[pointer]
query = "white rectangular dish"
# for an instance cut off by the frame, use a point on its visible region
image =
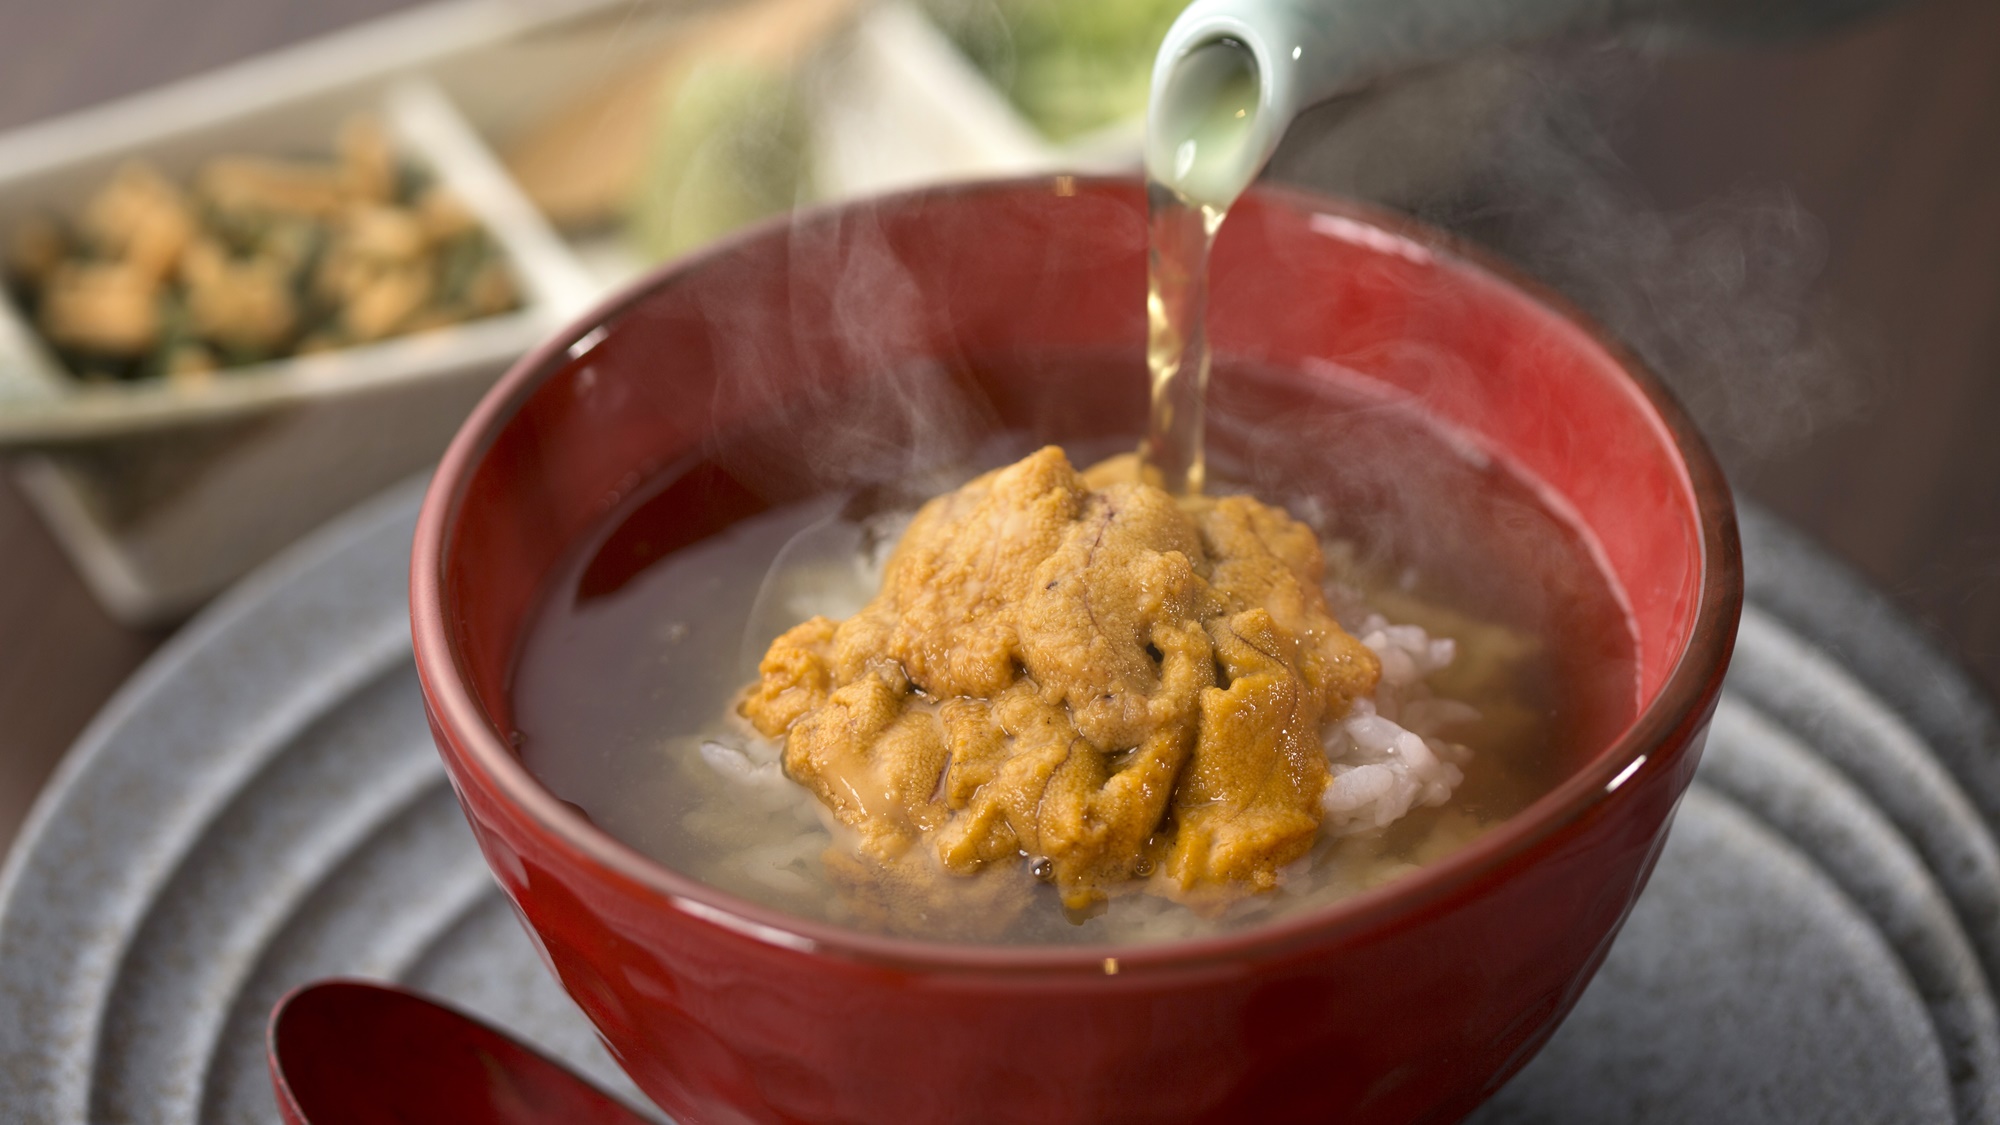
(162, 494)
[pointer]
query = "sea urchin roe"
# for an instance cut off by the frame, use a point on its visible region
(1085, 672)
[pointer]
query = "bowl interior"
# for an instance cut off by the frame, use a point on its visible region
(848, 347)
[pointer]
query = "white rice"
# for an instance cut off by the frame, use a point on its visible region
(1385, 755)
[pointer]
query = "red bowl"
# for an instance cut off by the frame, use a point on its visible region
(1411, 1002)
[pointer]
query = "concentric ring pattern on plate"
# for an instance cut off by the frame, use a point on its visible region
(261, 806)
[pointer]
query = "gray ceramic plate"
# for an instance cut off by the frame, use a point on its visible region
(261, 806)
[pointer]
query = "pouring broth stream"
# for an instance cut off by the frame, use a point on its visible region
(1203, 143)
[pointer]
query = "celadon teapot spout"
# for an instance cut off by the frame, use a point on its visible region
(1232, 74)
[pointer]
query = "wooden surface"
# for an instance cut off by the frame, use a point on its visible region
(1889, 135)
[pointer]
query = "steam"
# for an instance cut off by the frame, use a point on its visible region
(1516, 152)
(1511, 150)
(843, 365)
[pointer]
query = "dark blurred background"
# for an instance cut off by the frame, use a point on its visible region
(1871, 156)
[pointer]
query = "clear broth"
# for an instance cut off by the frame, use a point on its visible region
(653, 624)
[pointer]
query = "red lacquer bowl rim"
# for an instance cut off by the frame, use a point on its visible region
(1668, 723)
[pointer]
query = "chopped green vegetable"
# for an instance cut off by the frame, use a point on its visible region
(731, 150)
(1070, 66)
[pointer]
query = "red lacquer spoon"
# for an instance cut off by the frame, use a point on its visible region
(347, 1052)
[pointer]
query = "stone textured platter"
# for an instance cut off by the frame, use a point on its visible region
(261, 806)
